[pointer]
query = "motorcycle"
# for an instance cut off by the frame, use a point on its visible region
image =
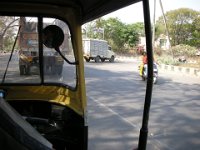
(144, 72)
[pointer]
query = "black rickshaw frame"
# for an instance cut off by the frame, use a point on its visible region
(149, 87)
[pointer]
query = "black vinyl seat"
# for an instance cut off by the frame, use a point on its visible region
(18, 134)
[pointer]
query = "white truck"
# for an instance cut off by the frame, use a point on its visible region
(97, 50)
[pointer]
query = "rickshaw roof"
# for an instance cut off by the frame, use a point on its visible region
(90, 9)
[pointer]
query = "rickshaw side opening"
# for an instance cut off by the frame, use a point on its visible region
(58, 106)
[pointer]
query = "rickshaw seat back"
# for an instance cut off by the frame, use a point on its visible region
(16, 133)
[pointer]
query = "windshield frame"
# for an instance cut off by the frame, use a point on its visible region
(40, 50)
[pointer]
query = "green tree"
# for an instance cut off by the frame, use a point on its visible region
(7, 32)
(123, 36)
(120, 36)
(139, 28)
(131, 35)
(94, 29)
(180, 24)
(88, 30)
(114, 33)
(195, 38)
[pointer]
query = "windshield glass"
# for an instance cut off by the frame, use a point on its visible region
(20, 54)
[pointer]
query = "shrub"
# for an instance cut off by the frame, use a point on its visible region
(158, 51)
(168, 60)
(184, 50)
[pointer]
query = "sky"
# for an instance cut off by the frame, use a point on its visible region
(134, 13)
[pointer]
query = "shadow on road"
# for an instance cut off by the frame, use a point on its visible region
(115, 108)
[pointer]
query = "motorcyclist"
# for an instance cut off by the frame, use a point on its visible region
(144, 61)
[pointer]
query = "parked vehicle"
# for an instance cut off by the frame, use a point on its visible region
(97, 50)
(45, 112)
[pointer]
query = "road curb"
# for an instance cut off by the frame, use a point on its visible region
(178, 69)
(171, 68)
(125, 58)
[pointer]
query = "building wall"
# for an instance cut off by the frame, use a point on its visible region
(161, 42)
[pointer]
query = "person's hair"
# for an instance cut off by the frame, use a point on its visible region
(144, 53)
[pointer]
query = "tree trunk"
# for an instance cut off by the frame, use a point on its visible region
(1, 43)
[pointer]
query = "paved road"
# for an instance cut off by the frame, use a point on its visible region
(115, 102)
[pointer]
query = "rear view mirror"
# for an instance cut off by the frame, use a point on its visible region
(53, 36)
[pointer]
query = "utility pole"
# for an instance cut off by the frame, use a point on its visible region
(166, 27)
(154, 21)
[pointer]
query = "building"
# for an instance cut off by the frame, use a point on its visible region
(162, 42)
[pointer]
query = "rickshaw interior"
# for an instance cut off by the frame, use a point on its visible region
(42, 76)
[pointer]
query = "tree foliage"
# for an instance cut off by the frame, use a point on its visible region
(181, 25)
(120, 36)
(184, 50)
(114, 30)
(7, 32)
(195, 40)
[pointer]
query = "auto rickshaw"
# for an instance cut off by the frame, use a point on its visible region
(43, 103)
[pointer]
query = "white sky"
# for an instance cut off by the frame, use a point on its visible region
(134, 13)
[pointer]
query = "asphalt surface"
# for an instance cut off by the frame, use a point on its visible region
(116, 96)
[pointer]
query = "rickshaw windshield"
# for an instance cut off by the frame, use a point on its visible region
(21, 57)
